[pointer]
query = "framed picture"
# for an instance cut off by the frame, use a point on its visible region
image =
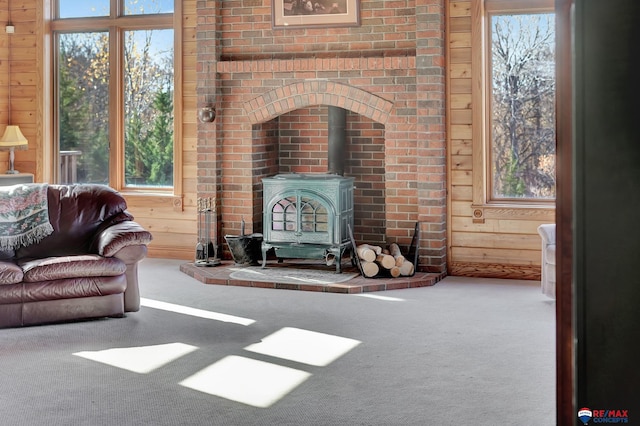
(315, 13)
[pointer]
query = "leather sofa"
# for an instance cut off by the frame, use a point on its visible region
(547, 232)
(87, 267)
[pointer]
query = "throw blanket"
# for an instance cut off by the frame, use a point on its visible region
(24, 215)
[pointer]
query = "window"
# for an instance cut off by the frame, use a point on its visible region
(516, 148)
(114, 92)
(522, 130)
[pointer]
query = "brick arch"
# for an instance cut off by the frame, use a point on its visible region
(317, 92)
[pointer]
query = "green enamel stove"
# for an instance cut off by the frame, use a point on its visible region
(307, 216)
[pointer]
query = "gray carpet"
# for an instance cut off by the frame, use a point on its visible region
(463, 352)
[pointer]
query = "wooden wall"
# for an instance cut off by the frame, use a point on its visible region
(19, 80)
(489, 241)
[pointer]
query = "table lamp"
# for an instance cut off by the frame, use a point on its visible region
(11, 140)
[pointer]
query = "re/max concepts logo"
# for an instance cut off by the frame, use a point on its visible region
(603, 416)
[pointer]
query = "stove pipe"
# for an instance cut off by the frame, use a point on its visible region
(337, 139)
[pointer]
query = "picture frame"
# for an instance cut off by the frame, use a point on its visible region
(315, 13)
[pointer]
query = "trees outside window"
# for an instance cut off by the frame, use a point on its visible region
(148, 107)
(115, 92)
(521, 130)
(83, 105)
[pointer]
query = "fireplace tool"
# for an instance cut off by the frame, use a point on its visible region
(207, 246)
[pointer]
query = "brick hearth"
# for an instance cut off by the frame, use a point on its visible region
(220, 275)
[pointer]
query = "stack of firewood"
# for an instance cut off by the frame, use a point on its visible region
(376, 261)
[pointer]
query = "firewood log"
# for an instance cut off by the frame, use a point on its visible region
(370, 269)
(386, 261)
(376, 249)
(366, 253)
(406, 268)
(394, 250)
(394, 272)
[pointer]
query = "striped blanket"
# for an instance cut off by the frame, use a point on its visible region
(24, 215)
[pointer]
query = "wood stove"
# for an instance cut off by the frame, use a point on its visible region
(307, 216)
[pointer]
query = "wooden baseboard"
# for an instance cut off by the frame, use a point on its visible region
(489, 270)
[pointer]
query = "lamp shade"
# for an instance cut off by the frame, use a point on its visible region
(13, 138)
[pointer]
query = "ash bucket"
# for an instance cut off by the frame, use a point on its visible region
(245, 249)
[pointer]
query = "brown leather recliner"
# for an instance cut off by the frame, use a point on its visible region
(86, 268)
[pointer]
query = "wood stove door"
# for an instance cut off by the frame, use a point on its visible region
(300, 217)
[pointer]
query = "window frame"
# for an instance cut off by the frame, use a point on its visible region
(483, 206)
(116, 24)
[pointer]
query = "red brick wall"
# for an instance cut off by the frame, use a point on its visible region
(303, 147)
(246, 30)
(272, 88)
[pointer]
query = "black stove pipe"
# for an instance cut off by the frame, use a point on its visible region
(337, 140)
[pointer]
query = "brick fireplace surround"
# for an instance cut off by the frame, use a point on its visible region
(272, 88)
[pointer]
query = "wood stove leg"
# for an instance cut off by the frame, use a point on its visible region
(264, 249)
(337, 253)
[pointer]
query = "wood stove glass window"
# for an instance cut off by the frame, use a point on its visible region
(284, 215)
(313, 215)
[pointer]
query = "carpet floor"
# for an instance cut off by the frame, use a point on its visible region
(461, 352)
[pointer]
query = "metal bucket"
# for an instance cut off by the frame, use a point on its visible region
(245, 249)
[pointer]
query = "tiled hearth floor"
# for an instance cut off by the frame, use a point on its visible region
(220, 275)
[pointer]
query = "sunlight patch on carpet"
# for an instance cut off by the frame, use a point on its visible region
(200, 313)
(290, 275)
(140, 359)
(248, 381)
(377, 297)
(308, 347)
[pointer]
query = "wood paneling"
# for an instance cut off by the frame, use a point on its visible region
(519, 242)
(493, 226)
(495, 256)
(460, 192)
(461, 147)
(460, 101)
(505, 243)
(494, 270)
(19, 92)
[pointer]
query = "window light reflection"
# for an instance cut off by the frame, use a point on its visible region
(140, 359)
(308, 347)
(186, 310)
(248, 381)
